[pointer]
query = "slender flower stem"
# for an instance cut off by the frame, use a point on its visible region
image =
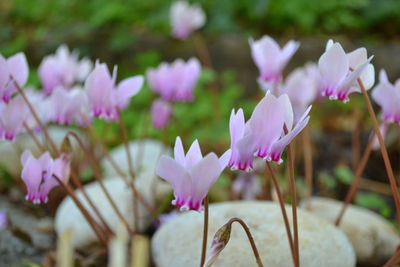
(34, 138)
(384, 152)
(356, 181)
(122, 175)
(202, 50)
(96, 228)
(395, 259)
(97, 175)
(131, 170)
(294, 203)
(284, 214)
(250, 237)
(205, 233)
(308, 163)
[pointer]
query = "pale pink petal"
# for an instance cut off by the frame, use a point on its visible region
(128, 88)
(179, 153)
(194, 155)
(18, 68)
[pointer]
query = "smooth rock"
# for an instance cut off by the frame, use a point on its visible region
(145, 154)
(178, 241)
(10, 152)
(69, 216)
(374, 239)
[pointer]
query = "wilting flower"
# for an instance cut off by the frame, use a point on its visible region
(247, 185)
(191, 175)
(105, 98)
(301, 86)
(62, 69)
(37, 174)
(339, 72)
(176, 81)
(185, 19)
(270, 58)
(387, 96)
(3, 220)
(220, 240)
(161, 112)
(12, 70)
(264, 134)
(67, 106)
(12, 118)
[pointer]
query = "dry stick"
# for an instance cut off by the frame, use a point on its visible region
(205, 232)
(34, 138)
(308, 163)
(395, 259)
(384, 152)
(47, 136)
(356, 181)
(99, 179)
(250, 237)
(122, 175)
(284, 214)
(292, 186)
(85, 213)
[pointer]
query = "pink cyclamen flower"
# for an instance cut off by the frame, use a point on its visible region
(191, 175)
(161, 112)
(301, 85)
(62, 69)
(3, 220)
(105, 98)
(264, 135)
(340, 71)
(185, 19)
(37, 174)
(12, 70)
(387, 96)
(67, 106)
(12, 118)
(270, 58)
(176, 81)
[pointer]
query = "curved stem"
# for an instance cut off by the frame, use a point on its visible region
(395, 259)
(97, 175)
(356, 181)
(250, 237)
(34, 138)
(205, 232)
(284, 214)
(384, 152)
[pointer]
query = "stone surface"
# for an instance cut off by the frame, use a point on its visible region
(69, 216)
(178, 242)
(10, 152)
(374, 239)
(145, 155)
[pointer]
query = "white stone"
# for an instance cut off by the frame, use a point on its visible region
(10, 151)
(145, 155)
(374, 239)
(178, 241)
(68, 216)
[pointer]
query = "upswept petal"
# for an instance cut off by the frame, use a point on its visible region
(179, 152)
(236, 125)
(128, 88)
(18, 68)
(194, 155)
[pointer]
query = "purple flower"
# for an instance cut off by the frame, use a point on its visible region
(247, 185)
(16, 67)
(270, 58)
(12, 117)
(161, 112)
(67, 106)
(105, 99)
(191, 175)
(62, 69)
(339, 72)
(185, 19)
(263, 135)
(387, 96)
(176, 81)
(3, 220)
(37, 174)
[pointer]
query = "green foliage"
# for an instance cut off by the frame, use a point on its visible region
(375, 202)
(344, 174)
